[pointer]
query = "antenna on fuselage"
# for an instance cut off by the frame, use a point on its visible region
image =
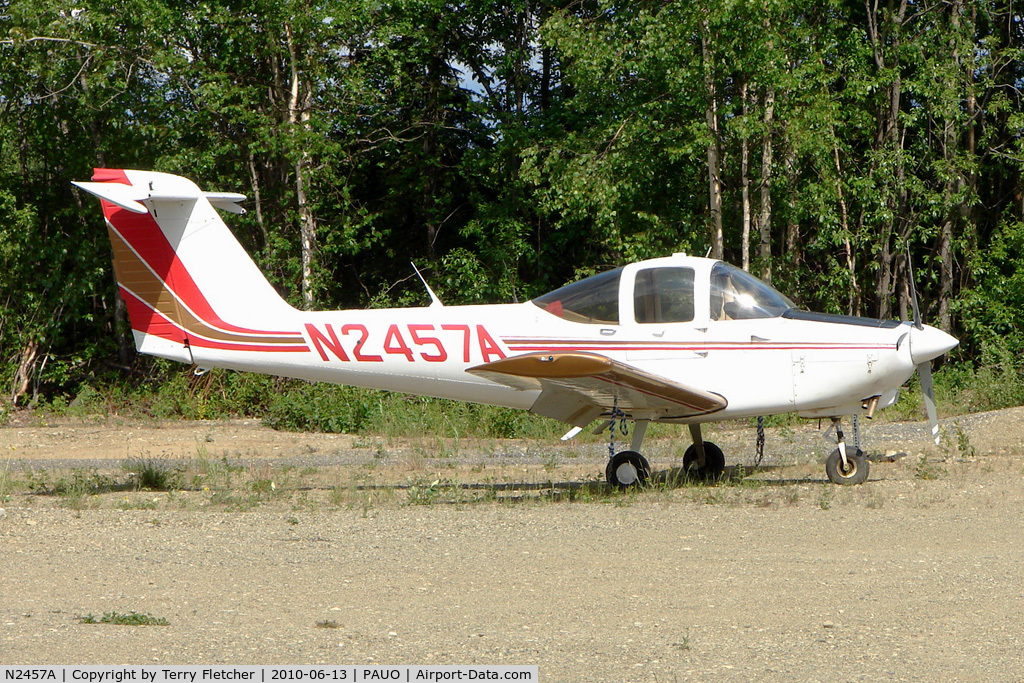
(434, 301)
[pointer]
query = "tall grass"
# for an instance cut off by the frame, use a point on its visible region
(961, 389)
(295, 405)
(300, 406)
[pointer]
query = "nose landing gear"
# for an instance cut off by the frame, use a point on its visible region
(844, 467)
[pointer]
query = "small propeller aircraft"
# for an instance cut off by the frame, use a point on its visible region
(677, 339)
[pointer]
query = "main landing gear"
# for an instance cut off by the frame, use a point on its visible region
(627, 468)
(702, 460)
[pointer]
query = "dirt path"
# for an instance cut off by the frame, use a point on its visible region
(917, 575)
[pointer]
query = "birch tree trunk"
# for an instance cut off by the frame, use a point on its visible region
(298, 119)
(764, 223)
(745, 182)
(714, 170)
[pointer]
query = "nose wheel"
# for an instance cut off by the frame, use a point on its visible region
(853, 471)
(846, 466)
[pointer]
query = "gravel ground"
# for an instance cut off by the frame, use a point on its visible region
(917, 575)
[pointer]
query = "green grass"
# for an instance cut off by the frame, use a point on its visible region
(294, 405)
(124, 619)
(154, 475)
(301, 406)
(328, 623)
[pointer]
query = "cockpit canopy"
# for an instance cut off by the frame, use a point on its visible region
(738, 295)
(591, 300)
(665, 294)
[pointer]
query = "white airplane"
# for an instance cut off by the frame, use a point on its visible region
(678, 339)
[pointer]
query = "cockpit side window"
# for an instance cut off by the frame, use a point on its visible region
(663, 295)
(738, 295)
(592, 300)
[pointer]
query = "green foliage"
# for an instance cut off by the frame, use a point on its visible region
(506, 148)
(132, 618)
(154, 475)
(331, 408)
(322, 408)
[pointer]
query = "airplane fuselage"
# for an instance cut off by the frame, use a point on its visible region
(762, 366)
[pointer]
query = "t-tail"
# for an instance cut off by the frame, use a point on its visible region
(193, 293)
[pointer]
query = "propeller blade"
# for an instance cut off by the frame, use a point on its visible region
(913, 292)
(924, 370)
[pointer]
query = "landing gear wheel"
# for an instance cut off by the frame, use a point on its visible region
(714, 462)
(855, 471)
(626, 469)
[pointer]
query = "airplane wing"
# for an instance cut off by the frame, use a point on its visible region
(577, 387)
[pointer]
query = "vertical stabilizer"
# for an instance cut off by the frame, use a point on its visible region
(192, 292)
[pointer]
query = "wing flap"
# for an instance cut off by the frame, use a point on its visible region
(574, 383)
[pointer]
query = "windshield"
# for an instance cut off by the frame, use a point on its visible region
(738, 295)
(592, 300)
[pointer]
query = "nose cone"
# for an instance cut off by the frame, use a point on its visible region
(928, 343)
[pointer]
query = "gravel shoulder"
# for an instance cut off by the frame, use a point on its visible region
(917, 575)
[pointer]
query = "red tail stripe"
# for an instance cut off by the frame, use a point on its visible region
(160, 326)
(143, 234)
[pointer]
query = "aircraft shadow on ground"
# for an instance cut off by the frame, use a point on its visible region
(668, 479)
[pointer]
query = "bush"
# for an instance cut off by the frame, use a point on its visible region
(321, 408)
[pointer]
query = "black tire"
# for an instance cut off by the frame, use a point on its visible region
(626, 469)
(856, 471)
(714, 462)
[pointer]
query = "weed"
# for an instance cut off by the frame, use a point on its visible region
(328, 623)
(128, 504)
(153, 474)
(683, 644)
(825, 499)
(551, 462)
(963, 442)
(426, 494)
(73, 487)
(130, 619)
(6, 485)
(263, 486)
(233, 502)
(928, 470)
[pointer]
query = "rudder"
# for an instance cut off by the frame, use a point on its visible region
(193, 294)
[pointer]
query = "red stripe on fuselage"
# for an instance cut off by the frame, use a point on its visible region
(555, 346)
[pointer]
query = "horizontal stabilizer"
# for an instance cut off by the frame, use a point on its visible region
(130, 197)
(124, 196)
